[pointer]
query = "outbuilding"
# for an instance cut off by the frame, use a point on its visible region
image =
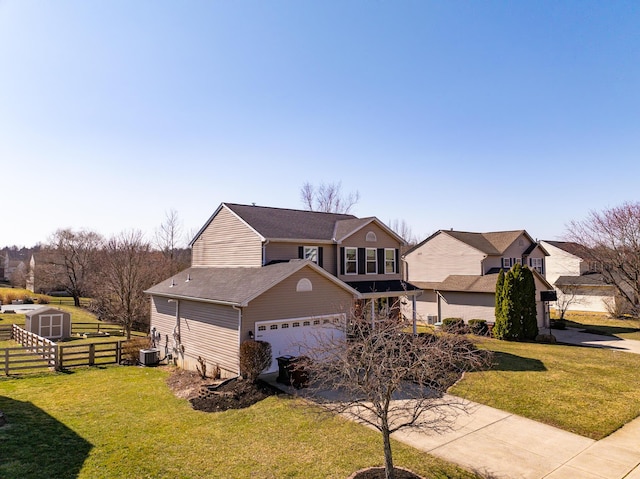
(48, 322)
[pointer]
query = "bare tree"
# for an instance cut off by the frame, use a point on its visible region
(71, 260)
(128, 267)
(169, 234)
(611, 239)
(328, 198)
(403, 229)
(169, 239)
(568, 296)
(387, 378)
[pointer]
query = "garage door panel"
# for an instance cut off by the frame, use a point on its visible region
(292, 336)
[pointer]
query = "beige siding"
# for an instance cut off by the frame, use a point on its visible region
(279, 251)
(227, 241)
(426, 305)
(283, 301)
(492, 262)
(468, 306)
(442, 256)
(359, 240)
(517, 248)
(593, 299)
(561, 263)
(206, 330)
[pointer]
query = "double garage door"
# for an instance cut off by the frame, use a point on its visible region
(292, 337)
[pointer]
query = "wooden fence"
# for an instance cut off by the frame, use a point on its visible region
(6, 332)
(39, 354)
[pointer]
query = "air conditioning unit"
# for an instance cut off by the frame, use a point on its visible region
(432, 319)
(149, 357)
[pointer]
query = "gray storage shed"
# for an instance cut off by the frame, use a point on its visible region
(50, 323)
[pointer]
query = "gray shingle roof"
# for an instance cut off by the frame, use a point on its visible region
(282, 223)
(570, 247)
(494, 243)
(230, 285)
(595, 279)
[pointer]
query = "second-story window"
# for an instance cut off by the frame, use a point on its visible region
(311, 253)
(351, 260)
(390, 260)
(536, 263)
(372, 260)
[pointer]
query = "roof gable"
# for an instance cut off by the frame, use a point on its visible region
(346, 228)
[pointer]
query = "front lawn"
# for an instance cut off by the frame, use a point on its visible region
(588, 391)
(123, 422)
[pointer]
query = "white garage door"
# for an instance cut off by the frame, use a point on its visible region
(288, 337)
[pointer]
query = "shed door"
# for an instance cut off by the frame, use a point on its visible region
(51, 325)
(290, 337)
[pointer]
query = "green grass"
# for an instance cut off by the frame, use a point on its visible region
(600, 323)
(123, 422)
(588, 391)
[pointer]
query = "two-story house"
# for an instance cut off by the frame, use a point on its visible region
(279, 275)
(579, 284)
(457, 271)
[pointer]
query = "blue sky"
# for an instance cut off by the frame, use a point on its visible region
(476, 116)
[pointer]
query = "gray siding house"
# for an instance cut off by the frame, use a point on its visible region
(579, 285)
(274, 274)
(457, 270)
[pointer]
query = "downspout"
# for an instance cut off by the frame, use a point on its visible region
(264, 252)
(439, 306)
(176, 328)
(239, 310)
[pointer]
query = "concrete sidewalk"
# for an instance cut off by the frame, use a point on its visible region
(576, 336)
(498, 444)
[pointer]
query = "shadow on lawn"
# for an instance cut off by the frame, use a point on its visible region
(35, 445)
(511, 362)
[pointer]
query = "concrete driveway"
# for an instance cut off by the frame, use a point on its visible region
(576, 336)
(498, 444)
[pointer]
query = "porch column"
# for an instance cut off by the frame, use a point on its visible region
(414, 315)
(373, 319)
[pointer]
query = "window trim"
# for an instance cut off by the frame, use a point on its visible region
(373, 262)
(394, 261)
(347, 261)
(306, 249)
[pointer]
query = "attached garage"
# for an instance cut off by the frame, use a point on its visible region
(208, 313)
(292, 337)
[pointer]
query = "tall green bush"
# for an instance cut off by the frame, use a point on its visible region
(499, 328)
(529, 309)
(516, 305)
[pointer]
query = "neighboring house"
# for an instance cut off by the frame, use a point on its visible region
(457, 270)
(15, 267)
(579, 285)
(273, 274)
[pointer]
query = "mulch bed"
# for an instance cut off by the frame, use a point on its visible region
(215, 395)
(378, 473)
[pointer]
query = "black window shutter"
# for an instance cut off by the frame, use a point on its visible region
(380, 260)
(320, 256)
(301, 252)
(396, 266)
(341, 259)
(362, 255)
